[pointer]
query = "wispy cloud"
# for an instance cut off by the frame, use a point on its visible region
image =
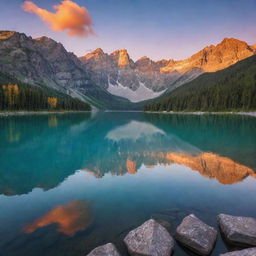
(69, 16)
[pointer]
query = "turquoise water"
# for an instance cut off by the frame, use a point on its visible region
(71, 182)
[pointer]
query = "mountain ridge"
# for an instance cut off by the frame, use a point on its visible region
(45, 63)
(109, 81)
(155, 78)
(233, 88)
(170, 65)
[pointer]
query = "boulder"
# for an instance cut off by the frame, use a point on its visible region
(238, 230)
(149, 239)
(245, 252)
(196, 235)
(105, 250)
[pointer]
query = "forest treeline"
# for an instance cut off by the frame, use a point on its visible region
(25, 97)
(230, 89)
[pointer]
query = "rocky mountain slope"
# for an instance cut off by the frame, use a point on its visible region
(108, 81)
(45, 63)
(136, 81)
(233, 88)
(213, 58)
(40, 61)
(147, 79)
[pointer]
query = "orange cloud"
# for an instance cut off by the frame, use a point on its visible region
(69, 17)
(70, 218)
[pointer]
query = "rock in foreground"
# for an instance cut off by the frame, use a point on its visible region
(238, 230)
(149, 239)
(245, 252)
(196, 235)
(105, 250)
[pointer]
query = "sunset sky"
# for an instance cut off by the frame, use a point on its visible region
(155, 28)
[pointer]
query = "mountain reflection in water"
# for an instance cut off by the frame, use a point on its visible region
(120, 143)
(210, 165)
(72, 182)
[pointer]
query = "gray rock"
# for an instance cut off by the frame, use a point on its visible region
(149, 239)
(105, 250)
(238, 230)
(245, 252)
(196, 235)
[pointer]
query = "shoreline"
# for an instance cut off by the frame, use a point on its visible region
(43, 112)
(252, 113)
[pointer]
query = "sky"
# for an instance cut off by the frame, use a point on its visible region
(159, 29)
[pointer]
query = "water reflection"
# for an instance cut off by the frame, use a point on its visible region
(70, 218)
(221, 147)
(210, 165)
(52, 121)
(133, 166)
(134, 130)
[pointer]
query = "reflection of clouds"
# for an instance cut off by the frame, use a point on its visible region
(70, 218)
(133, 131)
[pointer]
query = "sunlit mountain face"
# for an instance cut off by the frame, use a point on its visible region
(79, 180)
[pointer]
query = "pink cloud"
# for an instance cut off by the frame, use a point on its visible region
(69, 16)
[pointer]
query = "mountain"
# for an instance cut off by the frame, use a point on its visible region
(213, 58)
(108, 81)
(121, 76)
(233, 88)
(44, 63)
(146, 79)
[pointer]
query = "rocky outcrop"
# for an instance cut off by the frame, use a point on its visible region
(196, 235)
(121, 58)
(148, 66)
(213, 58)
(238, 230)
(245, 252)
(149, 239)
(105, 250)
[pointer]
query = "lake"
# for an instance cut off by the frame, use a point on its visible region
(71, 182)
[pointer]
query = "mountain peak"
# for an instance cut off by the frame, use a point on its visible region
(120, 51)
(98, 51)
(213, 58)
(123, 58)
(230, 40)
(233, 43)
(97, 54)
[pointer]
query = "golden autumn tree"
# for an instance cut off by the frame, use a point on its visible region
(52, 102)
(11, 93)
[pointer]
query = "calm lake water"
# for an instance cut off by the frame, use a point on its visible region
(71, 182)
